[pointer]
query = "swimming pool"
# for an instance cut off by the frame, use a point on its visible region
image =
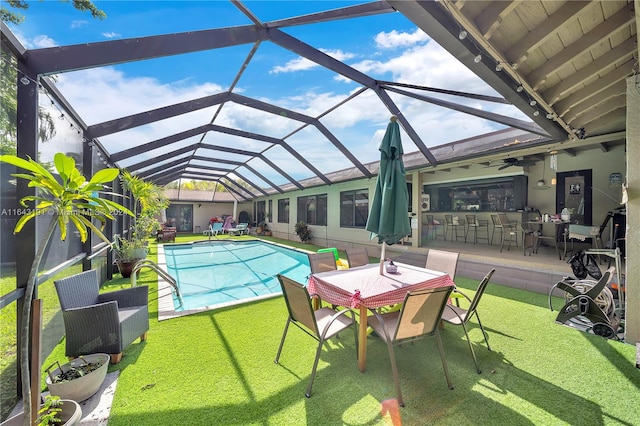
(213, 274)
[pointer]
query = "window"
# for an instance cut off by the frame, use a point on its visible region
(354, 208)
(313, 209)
(283, 210)
(259, 208)
(181, 217)
(505, 194)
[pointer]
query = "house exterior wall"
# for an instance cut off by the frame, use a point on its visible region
(203, 211)
(605, 197)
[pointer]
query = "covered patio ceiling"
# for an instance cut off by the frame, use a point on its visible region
(552, 73)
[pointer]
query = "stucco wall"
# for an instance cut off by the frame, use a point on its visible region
(605, 198)
(203, 211)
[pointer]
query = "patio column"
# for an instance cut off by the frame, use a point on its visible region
(632, 327)
(87, 169)
(416, 219)
(27, 145)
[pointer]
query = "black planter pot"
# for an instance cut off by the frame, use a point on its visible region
(126, 267)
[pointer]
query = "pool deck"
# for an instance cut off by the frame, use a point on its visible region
(516, 267)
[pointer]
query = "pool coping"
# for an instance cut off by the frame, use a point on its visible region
(166, 309)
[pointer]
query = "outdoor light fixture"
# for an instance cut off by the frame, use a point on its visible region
(478, 58)
(499, 66)
(536, 113)
(462, 35)
(25, 80)
(532, 102)
(520, 88)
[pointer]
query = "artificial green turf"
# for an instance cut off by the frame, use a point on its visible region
(216, 368)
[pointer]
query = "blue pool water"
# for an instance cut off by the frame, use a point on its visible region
(222, 272)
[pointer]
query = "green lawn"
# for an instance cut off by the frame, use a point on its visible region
(216, 368)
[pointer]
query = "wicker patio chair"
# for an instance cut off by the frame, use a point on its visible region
(459, 316)
(321, 324)
(357, 256)
(104, 323)
(419, 317)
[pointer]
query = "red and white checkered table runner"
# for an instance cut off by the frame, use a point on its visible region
(364, 285)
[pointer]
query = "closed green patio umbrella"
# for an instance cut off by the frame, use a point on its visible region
(389, 219)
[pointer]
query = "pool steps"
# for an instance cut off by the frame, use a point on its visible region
(152, 265)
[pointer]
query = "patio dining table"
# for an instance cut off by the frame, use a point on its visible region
(365, 288)
(558, 235)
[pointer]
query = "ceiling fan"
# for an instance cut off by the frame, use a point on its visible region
(508, 162)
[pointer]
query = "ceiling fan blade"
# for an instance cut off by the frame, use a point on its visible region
(504, 166)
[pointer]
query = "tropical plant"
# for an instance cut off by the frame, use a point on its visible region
(72, 372)
(303, 231)
(126, 250)
(145, 227)
(7, 15)
(151, 199)
(49, 413)
(69, 198)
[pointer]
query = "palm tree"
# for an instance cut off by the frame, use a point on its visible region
(69, 199)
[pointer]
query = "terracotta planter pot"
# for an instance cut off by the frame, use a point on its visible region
(83, 387)
(125, 267)
(71, 414)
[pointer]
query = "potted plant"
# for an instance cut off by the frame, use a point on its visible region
(127, 253)
(63, 199)
(54, 411)
(303, 231)
(262, 227)
(145, 227)
(151, 199)
(266, 230)
(78, 379)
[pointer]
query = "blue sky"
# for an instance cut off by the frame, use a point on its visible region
(386, 47)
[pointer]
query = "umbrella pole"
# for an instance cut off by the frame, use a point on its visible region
(382, 257)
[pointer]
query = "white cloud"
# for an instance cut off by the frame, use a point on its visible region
(107, 93)
(111, 34)
(297, 64)
(394, 39)
(427, 65)
(303, 64)
(42, 41)
(77, 23)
